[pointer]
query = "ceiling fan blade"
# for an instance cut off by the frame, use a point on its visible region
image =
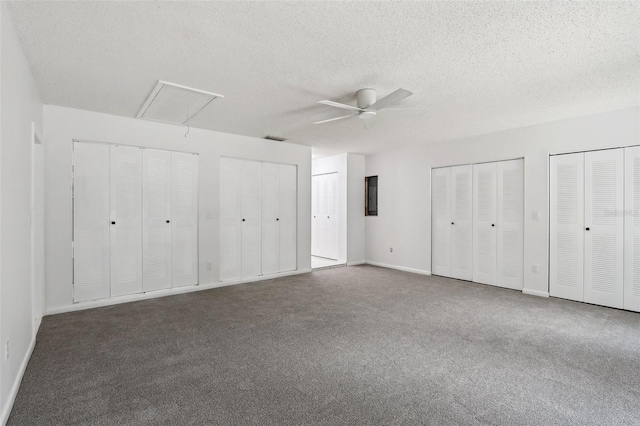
(405, 111)
(339, 105)
(390, 99)
(333, 119)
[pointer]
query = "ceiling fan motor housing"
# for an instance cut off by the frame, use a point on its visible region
(366, 98)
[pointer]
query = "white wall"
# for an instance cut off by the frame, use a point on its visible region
(351, 230)
(20, 106)
(404, 206)
(355, 209)
(62, 125)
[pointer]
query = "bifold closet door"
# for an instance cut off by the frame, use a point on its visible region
(332, 229)
(156, 217)
(316, 185)
(510, 226)
(126, 220)
(604, 227)
(566, 227)
(484, 223)
(270, 218)
(461, 222)
(632, 230)
(441, 220)
(184, 219)
(251, 245)
(288, 218)
(91, 222)
(230, 218)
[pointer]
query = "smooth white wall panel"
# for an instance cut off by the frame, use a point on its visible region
(604, 227)
(484, 223)
(126, 220)
(462, 222)
(441, 220)
(632, 230)
(91, 266)
(566, 251)
(156, 217)
(184, 219)
(288, 217)
(509, 226)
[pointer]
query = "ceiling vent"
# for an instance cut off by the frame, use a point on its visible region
(274, 138)
(175, 104)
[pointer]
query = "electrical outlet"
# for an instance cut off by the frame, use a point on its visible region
(6, 350)
(391, 249)
(209, 265)
(535, 268)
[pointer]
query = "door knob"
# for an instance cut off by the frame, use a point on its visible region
(167, 221)
(327, 217)
(243, 220)
(587, 229)
(277, 218)
(113, 222)
(493, 224)
(452, 223)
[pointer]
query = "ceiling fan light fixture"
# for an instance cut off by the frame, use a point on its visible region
(366, 115)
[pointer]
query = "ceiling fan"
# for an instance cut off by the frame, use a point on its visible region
(367, 106)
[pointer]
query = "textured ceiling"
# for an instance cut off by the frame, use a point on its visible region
(475, 67)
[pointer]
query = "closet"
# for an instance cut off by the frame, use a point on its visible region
(135, 220)
(477, 222)
(258, 218)
(594, 239)
(324, 216)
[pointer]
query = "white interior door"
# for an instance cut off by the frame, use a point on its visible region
(461, 222)
(632, 230)
(441, 221)
(288, 217)
(230, 218)
(484, 223)
(510, 227)
(316, 202)
(91, 222)
(270, 218)
(156, 216)
(251, 218)
(184, 219)
(604, 227)
(566, 227)
(126, 220)
(332, 230)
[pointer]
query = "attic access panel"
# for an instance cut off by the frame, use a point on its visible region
(175, 104)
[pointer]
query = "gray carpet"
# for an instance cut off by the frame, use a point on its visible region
(354, 345)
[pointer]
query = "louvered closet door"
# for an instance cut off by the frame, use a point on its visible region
(288, 217)
(91, 222)
(566, 227)
(441, 221)
(230, 218)
(156, 216)
(332, 248)
(184, 219)
(510, 229)
(604, 239)
(251, 218)
(484, 223)
(461, 222)
(270, 218)
(126, 220)
(632, 230)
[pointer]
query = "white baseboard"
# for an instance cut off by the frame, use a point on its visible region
(163, 293)
(6, 411)
(400, 268)
(535, 292)
(358, 262)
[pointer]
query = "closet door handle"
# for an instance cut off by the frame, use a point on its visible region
(277, 218)
(452, 223)
(493, 224)
(243, 220)
(113, 222)
(168, 221)
(587, 229)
